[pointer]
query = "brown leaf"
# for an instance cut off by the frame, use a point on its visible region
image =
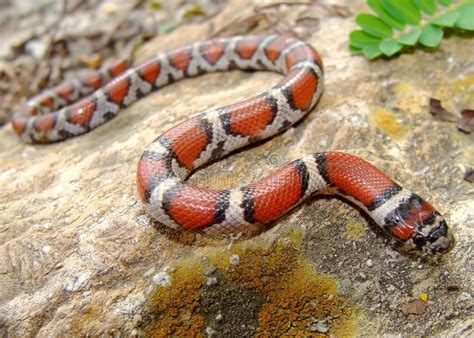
(452, 288)
(308, 21)
(415, 307)
(466, 122)
(437, 110)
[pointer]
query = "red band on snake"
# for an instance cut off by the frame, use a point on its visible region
(77, 107)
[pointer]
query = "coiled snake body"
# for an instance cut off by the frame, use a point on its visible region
(166, 163)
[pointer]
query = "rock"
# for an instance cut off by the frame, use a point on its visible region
(211, 281)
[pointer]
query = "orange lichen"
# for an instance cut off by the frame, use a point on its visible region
(174, 309)
(297, 298)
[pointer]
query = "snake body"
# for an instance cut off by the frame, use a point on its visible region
(68, 110)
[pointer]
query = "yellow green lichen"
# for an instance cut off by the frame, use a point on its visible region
(355, 230)
(387, 122)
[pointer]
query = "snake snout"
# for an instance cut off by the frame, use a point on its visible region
(435, 237)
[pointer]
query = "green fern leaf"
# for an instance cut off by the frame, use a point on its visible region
(446, 19)
(427, 6)
(466, 17)
(373, 25)
(377, 7)
(390, 47)
(403, 10)
(410, 38)
(445, 2)
(431, 36)
(399, 23)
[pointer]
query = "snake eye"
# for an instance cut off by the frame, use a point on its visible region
(419, 241)
(442, 230)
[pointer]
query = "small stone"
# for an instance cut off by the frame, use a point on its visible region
(219, 317)
(391, 288)
(210, 331)
(162, 279)
(143, 220)
(37, 48)
(209, 270)
(362, 275)
(465, 296)
(45, 249)
(393, 254)
(234, 259)
(211, 281)
(149, 272)
(320, 326)
(420, 266)
(369, 263)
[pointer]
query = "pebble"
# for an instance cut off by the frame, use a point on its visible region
(143, 220)
(464, 297)
(209, 270)
(210, 331)
(37, 48)
(211, 281)
(319, 327)
(162, 279)
(234, 259)
(369, 263)
(219, 317)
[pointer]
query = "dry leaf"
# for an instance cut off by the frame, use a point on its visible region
(437, 110)
(452, 288)
(466, 122)
(415, 307)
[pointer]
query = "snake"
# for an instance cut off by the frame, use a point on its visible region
(78, 106)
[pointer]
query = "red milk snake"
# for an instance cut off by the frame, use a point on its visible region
(76, 107)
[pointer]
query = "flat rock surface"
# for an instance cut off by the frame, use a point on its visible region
(79, 255)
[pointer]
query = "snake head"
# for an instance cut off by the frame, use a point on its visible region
(419, 225)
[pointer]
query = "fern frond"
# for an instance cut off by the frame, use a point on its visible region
(396, 24)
